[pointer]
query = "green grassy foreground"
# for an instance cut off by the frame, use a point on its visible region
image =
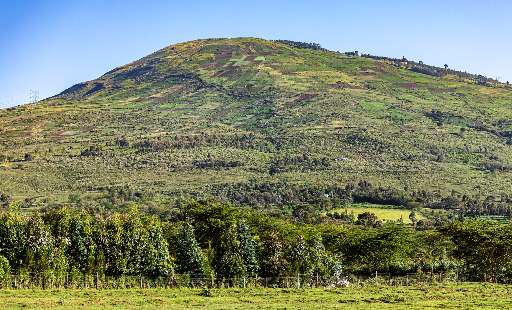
(465, 296)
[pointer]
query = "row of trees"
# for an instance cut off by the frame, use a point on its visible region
(202, 240)
(423, 68)
(280, 195)
(206, 239)
(325, 197)
(63, 240)
(306, 45)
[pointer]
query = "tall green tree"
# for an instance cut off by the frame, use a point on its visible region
(299, 256)
(189, 257)
(13, 243)
(40, 246)
(248, 249)
(386, 249)
(112, 242)
(5, 268)
(81, 241)
(230, 263)
(274, 263)
(157, 259)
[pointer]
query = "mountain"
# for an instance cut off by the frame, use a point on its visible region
(223, 117)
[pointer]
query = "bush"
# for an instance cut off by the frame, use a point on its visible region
(5, 269)
(313, 46)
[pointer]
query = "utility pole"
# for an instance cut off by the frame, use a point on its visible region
(33, 96)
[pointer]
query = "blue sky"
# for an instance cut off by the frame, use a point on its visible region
(51, 45)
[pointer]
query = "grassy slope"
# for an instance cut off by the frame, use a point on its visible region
(466, 296)
(257, 103)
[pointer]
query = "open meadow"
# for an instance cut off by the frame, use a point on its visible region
(447, 296)
(384, 213)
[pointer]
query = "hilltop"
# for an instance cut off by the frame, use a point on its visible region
(266, 122)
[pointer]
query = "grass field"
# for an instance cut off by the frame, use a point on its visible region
(464, 296)
(384, 213)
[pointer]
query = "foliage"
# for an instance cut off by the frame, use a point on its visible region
(189, 257)
(485, 248)
(368, 219)
(313, 46)
(208, 238)
(388, 249)
(248, 249)
(5, 268)
(230, 262)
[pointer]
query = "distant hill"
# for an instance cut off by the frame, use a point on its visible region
(256, 121)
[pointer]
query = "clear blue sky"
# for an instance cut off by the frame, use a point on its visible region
(51, 45)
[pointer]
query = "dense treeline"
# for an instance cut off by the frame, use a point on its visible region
(281, 194)
(323, 197)
(205, 239)
(313, 46)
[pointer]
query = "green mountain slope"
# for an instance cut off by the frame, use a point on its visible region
(200, 116)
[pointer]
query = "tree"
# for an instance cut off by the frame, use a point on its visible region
(412, 217)
(122, 142)
(248, 249)
(157, 260)
(135, 240)
(4, 200)
(111, 242)
(298, 257)
(305, 214)
(386, 249)
(273, 259)
(147, 251)
(230, 263)
(368, 219)
(445, 67)
(12, 238)
(5, 268)
(307, 256)
(321, 262)
(82, 247)
(434, 252)
(484, 247)
(189, 257)
(40, 246)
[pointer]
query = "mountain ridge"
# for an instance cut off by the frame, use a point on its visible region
(417, 66)
(219, 112)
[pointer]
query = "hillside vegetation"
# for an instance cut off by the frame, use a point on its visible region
(266, 122)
